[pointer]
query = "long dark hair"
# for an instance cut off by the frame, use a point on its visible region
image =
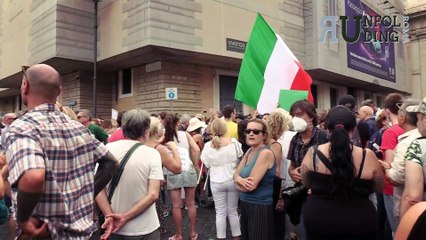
(170, 121)
(340, 121)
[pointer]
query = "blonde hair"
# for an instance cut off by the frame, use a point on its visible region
(287, 118)
(69, 112)
(218, 129)
(276, 125)
(155, 127)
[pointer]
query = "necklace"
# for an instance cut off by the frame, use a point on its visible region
(250, 154)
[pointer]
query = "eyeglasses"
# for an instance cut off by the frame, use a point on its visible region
(79, 117)
(255, 131)
(399, 105)
(24, 71)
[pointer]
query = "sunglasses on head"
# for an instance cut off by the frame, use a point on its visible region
(24, 71)
(255, 131)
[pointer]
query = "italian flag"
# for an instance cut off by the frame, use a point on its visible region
(268, 66)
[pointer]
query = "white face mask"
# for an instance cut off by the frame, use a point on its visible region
(299, 124)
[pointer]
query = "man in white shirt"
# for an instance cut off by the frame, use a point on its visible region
(395, 172)
(132, 210)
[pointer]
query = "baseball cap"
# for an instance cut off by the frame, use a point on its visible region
(340, 115)
(421, 108)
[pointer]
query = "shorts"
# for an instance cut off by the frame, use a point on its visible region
(184, 179)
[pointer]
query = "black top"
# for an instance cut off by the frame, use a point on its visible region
(419, 228)
(361, 188)
(330, 216)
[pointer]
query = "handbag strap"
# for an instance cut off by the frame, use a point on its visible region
(117, 174)
(236, 149)
(322, 158)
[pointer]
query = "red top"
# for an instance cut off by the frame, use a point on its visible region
(389, 142)
(117, 135)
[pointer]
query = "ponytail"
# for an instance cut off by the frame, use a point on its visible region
(343, 169)
(216, 143)
(170, 121)
(218, 129)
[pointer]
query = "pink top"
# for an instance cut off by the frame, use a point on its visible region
(117, 135)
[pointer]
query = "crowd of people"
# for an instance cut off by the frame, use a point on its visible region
(347, 173)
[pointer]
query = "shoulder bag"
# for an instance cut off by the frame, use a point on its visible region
(116, 178)
(117, 174)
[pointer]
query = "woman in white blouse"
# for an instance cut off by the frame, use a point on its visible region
(221, 156)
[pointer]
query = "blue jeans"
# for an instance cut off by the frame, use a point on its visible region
(388, 199)
(300, 228)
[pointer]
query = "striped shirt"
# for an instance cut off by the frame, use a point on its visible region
(45, 138)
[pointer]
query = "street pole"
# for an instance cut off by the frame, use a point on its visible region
(95, 52)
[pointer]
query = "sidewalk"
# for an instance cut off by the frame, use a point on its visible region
(206, 224)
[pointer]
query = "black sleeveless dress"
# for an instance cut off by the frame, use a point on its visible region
(334, 217)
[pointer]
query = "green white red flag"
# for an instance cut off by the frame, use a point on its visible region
(268, 66)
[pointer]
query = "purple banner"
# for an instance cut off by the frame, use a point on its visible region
(373, 57)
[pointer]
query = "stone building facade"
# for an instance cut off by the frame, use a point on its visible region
(146, 46)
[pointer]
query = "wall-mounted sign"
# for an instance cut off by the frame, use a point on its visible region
(171, 94)
(234, 45)
(71, 103)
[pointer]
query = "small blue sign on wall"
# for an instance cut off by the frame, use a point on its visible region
(171, 94)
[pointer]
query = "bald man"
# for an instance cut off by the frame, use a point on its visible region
(51, 163)
(366, 114)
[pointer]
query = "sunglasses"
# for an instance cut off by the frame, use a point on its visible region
(24, 71)
(255, 131)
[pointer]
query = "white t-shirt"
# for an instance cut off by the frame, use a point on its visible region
(143, 165)
(285, 140)
(223, 161)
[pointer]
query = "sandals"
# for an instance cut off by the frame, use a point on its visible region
(174, 238)
(191, 237)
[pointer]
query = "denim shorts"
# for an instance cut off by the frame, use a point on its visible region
(184, 179)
